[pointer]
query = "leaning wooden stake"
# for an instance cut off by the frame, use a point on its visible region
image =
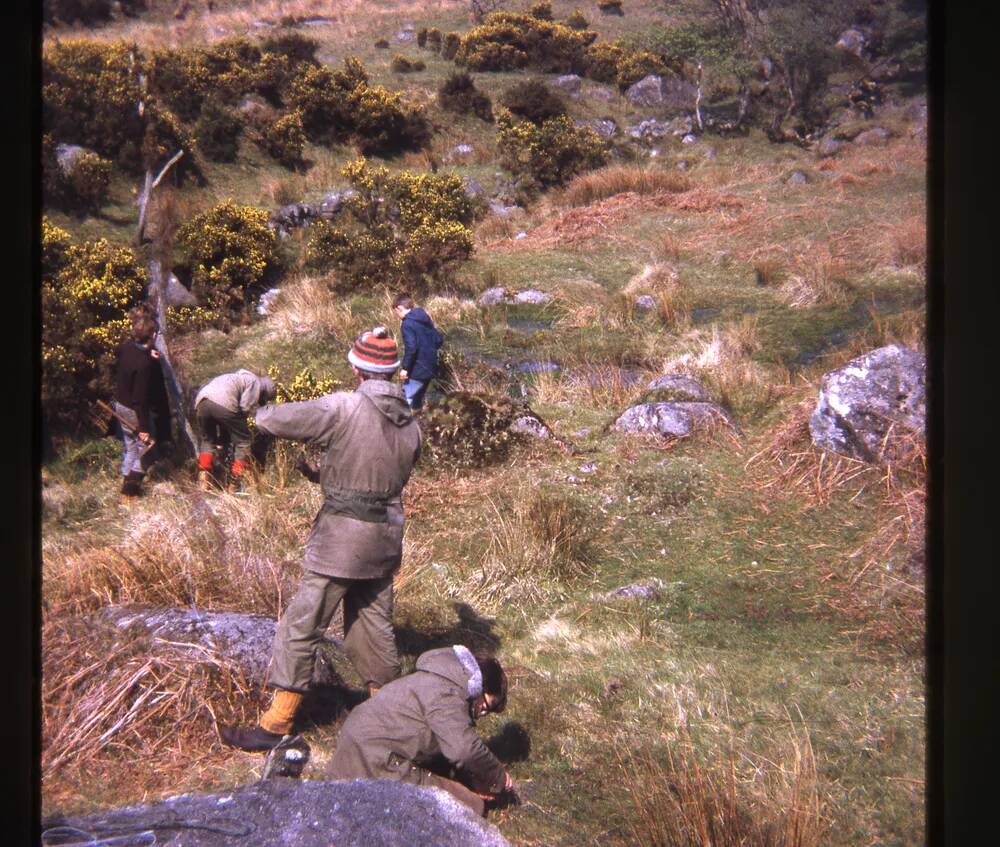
(157, 296)
(147, 192)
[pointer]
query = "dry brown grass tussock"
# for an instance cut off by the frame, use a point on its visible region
(108, 702)
(679, 800)
(306, 304)
(884, 590)
(588, 188)
(218, 552)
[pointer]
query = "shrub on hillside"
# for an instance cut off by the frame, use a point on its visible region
(384, 125)
(285, 139)
(422, 37)
(399, 228)
(534, 101)
(468, 430)
(434, 39)
(84, 189)
(86, 12)
(322, 98)
(610, 7)
(232, 254)
(449, 46)
(541, 10)
(636, 65)
(292, 45)
(87, 290)
(381, 44)
(458, 93)
(507, 41)
(218, 131)
(90, 94)
(601, 61)
(402, 65)
(550, 153)
(577, 20)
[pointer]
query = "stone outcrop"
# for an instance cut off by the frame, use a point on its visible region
(681, 387)
(860, 402)
(243, 639)
(671, 419)
(284, 812)
(667, 91)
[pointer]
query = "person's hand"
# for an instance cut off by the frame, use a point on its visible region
(508, 784)
(404, 375)
(144, 437)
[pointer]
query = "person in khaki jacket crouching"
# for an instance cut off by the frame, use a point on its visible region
(424, 716)
(356, 544)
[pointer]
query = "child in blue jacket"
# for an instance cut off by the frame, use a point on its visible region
(421, 341)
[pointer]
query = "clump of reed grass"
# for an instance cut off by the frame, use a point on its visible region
(824, 282)
(536, 545)
(617, 179)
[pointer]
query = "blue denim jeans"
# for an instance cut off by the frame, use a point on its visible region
(414, 389)
(134, 460)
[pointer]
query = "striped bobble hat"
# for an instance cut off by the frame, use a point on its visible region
(375, 351)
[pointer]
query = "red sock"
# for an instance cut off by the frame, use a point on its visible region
(238, 467)
(205, 461)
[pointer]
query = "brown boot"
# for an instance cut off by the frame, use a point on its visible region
(131, 489)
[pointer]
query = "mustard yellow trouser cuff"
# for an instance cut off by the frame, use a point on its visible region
(281, 714)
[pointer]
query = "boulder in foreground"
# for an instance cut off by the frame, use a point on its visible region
(299, 813)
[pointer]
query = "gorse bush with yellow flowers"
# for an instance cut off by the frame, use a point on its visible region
(87, 291)
(231, 254)
(398, 227)
(506, 41)
(84, 188)
(91, 96)
(550, 153)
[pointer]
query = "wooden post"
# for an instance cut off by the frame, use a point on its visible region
(147, 192)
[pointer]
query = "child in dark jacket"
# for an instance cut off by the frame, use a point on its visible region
(421, 341)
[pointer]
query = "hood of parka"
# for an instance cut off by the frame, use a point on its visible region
(418, 315)
(388, 399)
(456, 664)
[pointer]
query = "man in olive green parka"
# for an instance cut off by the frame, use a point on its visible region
(425, 715)
(356, 544)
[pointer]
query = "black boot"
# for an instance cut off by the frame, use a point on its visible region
(253, 739)
(131, 488)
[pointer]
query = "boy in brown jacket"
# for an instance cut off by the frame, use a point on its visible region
(425, 715)
(356, 544)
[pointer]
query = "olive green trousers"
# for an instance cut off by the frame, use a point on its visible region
(369, 640)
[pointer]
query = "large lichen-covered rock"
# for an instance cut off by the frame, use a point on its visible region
(299, 813)
(859, 402)
(671, 419)
(656, 90)
(244, 639)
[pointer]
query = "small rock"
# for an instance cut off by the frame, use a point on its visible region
(852, 41)
(532, 296)
(569, 83)
(875, 137)
(828, 147)
(589, 467)
(492, 296)
(690, 138)
(406, 36)
(606, 128)
(520, 235)
(682, 386)
(460, 150)
(266, 301)
(67, 156)
(583, 433)
(682, 165)
(473, 187)
(647, 589)
(797, 178)
(177, 294)
(645, 302)
(766, 67)
(671, 419)
(531, 426)
(573, 480)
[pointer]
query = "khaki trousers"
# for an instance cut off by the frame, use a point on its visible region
(369, 640)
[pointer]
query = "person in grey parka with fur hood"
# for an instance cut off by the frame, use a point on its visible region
(423, 716)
